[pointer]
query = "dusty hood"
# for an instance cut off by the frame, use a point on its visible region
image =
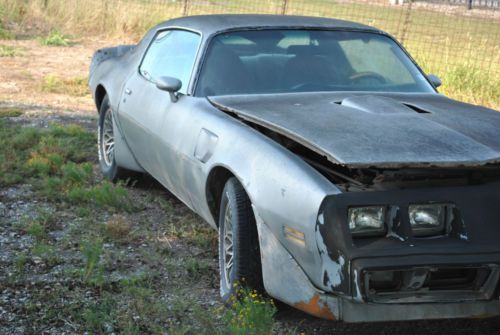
(382, 130)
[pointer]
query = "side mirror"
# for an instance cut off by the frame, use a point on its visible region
(170, 85)
(435, 81)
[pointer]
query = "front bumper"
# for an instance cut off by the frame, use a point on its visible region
(429, 279)
(285, 280)
(355, 312)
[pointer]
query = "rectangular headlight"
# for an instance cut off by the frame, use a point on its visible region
(367, 221)
(427, 220)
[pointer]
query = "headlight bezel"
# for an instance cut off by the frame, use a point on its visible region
(389, 213)
(367, 231)
(421, 230)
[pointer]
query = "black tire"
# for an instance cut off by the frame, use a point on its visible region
(107, 163)
(246, 270)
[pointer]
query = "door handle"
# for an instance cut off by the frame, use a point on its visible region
(128, 91)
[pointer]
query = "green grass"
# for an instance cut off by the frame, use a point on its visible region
(99, 315)
(20, 261)
(71, 86)
(37, 231)
(249, 313)
(10, 51)
(197, 268)
(93, 270)
(46, 253)
(57, 39)
(56, 161)
(10, 112)
(83, 237)
(5, 34)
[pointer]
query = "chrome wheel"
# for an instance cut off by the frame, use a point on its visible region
(228, 245)
(108, 139)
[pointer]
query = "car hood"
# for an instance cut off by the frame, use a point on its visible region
(377, 130)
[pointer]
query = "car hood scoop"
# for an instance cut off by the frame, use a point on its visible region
(381, 130)
(379, 105)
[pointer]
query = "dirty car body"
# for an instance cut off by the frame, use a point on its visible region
(374, 196)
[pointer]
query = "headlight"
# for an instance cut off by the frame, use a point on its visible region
(427, 220)
(367, 221)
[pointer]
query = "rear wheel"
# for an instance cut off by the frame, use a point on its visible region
(106, 144)
(239, 254)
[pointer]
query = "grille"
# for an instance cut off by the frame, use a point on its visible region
(431, 284)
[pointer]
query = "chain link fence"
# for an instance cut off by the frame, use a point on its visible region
(459, 40)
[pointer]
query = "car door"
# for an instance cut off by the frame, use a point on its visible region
(147, 114)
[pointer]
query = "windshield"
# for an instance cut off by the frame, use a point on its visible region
(284, 61)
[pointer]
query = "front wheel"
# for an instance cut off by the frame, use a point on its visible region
(239, 253)
(106, 144)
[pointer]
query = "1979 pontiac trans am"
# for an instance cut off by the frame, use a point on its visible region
(340, 181)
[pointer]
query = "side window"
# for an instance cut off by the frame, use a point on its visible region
(171, 54)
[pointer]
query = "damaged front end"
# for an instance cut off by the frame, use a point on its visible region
(403, 244)
(396, 241)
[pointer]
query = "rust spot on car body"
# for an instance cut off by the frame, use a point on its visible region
(316, 308)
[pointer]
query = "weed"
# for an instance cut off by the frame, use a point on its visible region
(105, 194)
(143, 313)
(25, 151)
(5, 34)
(37, 227)
(117, 227)
(193, 231)
(20, 261)
(82, 211)
(59, 157)
(37, 231)
(23, 138)
(250, 313)
(71, 86)
(203, 238)
(45, 165)
(10, 51)
(55, 38)
(197, 268)
(93, 270)
(10, 112)
(47, 253)
(98, 317)
(77, 174)
(140, 279)
(46, 218)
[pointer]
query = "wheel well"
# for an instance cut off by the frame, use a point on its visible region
(100, 93)
(215, 184)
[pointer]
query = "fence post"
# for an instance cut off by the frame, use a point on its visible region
(406, 22)
(186, 8)
(284, 7)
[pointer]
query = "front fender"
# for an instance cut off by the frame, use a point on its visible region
(285, 191)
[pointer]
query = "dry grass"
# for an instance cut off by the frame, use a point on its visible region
(461, 48)
(118, 227)
(10, 112)
(10, 51)
(72, 86)
(110, 17)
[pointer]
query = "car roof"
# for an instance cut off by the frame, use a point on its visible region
(210, 24)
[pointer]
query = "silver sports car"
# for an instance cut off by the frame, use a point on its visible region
(340, 181)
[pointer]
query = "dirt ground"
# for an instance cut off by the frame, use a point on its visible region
(21, 77)
(21, 298)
